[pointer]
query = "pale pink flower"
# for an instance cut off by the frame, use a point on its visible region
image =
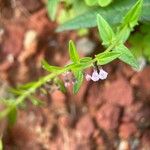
(102, 74)
(97, 76)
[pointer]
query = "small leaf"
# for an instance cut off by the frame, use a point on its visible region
(85, 59)
(79, 79)
(26, 86)
(104, 3)
(130, 20)
(60, 84)
(52, 8)
(50, 68)
(123, 35)
(132, 16)
(127, 57)
(106, 33)
(80, 66)
(16, 91)
(106, 57)
(73, 52)
(35, 101)
(12, 116)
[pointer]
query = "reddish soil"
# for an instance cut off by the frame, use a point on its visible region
(105, 115)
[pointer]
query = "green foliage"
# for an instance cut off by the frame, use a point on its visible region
(106, 33)
(52, 8)
(104, 3)
(49, 68)
(112, 13)
(107, 57)
(79, 79)
(12, 116)
(73, 52)
(35, 101)
(131, 18)
(115, 48)
(130, 21)
(127, 56)
(139, 42)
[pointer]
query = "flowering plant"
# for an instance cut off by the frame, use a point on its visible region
(115, 48)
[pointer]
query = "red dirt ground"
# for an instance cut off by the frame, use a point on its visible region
(107, 115)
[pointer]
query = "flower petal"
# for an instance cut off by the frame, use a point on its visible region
(95, 76)
(88, 77)
(102, 74)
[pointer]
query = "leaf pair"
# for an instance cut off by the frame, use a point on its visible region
(115, 41)
(101, 3)
(77, 72)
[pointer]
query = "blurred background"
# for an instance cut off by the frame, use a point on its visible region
(104, 115)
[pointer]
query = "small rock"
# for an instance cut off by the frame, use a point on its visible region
(58, 97)
(124, 145)
(119, 92)
(85, 46)
(30, 44)
(85, 126)
(126, 130)
(30, 37)
(108, 117)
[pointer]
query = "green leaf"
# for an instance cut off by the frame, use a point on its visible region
(132, 16)
(123, 35)
(127, 57)
(106, 33)
(80, 66)
(106, 57)
(104, 3)
(35, 101)
(52, 8)
(85, 59)
(60, 84)
(129, 21)
(26, 86)
(73, 52)
(16, 91)
(1, 144)
(79, 79)
(50, 68)
(12, 116)
(112, 13)
(91, 2)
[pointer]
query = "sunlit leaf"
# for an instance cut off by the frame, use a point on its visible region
(106, 57)
(50, 68)
(79, 79)
(127, 57)
(106, 33)
(73, 52)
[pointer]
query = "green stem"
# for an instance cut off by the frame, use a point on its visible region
(41, 82)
